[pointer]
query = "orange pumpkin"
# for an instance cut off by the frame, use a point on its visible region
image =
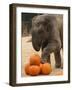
(35, 59)
(27, 68)
(46, 68)
(34, 70)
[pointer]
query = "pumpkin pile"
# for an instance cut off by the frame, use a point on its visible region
(34, 67)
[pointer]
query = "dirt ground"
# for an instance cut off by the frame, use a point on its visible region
(27, 50)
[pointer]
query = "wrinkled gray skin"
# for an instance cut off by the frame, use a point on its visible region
(47, 34)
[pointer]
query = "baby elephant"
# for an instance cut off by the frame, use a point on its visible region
(47, 34)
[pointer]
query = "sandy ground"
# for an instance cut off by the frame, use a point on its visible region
(27, 50)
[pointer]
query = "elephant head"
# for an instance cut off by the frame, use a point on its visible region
(40, 32)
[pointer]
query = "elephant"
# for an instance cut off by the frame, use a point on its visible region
(47, 35)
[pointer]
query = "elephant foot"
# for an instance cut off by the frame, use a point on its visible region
(57, 66)
(43, 61)
(47, 60)
(61, 66)
(57, 59)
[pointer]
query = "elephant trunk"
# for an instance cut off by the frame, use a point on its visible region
(36, 41)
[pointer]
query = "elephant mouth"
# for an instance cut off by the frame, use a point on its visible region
(36, 45)
(38, 48)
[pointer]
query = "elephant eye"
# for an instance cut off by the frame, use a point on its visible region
(38, 24)
(40, 32)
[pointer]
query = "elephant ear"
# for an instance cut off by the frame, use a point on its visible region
(54, 31)
(49, 23)
(33, 19)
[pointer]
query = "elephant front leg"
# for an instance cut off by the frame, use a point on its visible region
(45, 60)
(57, 59)
(51, 47)
(48, 59)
